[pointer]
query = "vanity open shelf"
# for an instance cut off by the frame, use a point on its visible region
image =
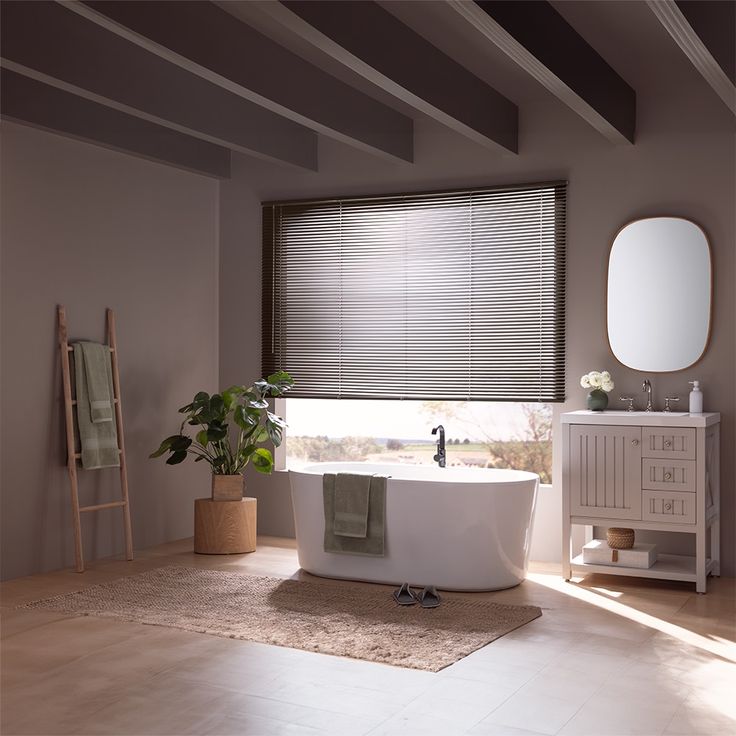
(657, 471)
(667, 567)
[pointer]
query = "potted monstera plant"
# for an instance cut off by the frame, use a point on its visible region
(229, 430)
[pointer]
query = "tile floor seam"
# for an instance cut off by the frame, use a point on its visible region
(493, 710)
(585, 701)
(580, 707)
(76, 660)
(684, 603)
(669, 723)
(114, 701)
(62, 617)
(503, 702)
(417, 697)
(602, 688)
(304, 707)
(377, 726)
(289, 702)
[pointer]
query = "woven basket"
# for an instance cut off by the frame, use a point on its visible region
(619, 538)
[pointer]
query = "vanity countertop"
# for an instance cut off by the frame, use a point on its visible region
(641, 418)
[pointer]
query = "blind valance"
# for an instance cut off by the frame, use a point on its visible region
(455, 295)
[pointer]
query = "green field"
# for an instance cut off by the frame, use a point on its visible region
(470, 447)
(535, 456)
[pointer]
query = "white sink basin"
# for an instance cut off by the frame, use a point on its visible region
(623, 412)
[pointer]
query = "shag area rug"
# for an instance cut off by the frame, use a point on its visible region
(340, 618)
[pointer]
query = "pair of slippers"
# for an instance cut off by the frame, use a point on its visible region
(427, 598)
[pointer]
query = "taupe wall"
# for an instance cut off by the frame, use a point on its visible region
(682, 164)
(92, 228)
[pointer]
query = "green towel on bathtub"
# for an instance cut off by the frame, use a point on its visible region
(99, 440)
(352, 492)
(372, 544)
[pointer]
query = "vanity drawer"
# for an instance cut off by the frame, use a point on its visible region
(668, 507)
(669, 442)
(668, 475)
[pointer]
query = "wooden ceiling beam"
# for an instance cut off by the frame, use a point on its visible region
(45, 41)
(206, 41)
(536, 37)
(30, 102)
(705, 31)
(374, 44)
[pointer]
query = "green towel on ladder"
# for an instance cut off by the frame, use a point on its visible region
(99, 388)
(99, 439)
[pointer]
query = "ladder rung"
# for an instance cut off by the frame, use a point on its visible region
(74, 402)
(70, 349)
(97, 507)
(78, 455)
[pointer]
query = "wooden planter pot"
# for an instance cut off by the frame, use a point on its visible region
(225, 523)
(227, 487)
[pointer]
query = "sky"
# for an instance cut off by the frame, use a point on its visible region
(402, 420)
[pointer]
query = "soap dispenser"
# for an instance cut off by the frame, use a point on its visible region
(696, 398)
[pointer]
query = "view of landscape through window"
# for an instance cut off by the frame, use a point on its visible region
(479, 434)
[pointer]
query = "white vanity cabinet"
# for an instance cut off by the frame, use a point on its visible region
(642, 470)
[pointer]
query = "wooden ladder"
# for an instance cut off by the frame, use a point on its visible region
(73, 456)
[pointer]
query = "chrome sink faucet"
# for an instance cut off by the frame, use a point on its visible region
(647, 388)
(440, 457)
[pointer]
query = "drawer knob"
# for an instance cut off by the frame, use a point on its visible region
(668, 506)
(634, 442)
(668, 443)
(668, 476)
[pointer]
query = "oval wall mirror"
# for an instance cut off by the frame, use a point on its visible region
(659, 294)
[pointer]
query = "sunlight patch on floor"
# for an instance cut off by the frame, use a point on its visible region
(609, 593)
(714, 645)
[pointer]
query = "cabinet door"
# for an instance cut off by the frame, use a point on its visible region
(605, 471)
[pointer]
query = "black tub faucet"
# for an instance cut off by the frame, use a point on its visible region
(440, 457)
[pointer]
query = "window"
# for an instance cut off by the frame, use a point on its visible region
(478, 434)
(444, 296)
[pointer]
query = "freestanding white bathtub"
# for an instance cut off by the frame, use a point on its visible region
(455, 528)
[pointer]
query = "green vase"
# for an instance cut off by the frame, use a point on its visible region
(597, 400)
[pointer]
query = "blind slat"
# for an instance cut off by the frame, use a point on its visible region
(457, 295)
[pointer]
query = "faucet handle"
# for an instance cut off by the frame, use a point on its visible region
(630, 399)
(667, 400)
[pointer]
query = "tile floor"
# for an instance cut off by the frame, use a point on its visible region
(610, 655)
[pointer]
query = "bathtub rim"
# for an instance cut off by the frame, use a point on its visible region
(521, 476)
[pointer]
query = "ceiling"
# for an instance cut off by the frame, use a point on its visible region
(188, 83)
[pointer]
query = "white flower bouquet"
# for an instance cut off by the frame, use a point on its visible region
(598, 380)
(599, 383)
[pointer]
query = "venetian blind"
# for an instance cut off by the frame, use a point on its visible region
(456, 295)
